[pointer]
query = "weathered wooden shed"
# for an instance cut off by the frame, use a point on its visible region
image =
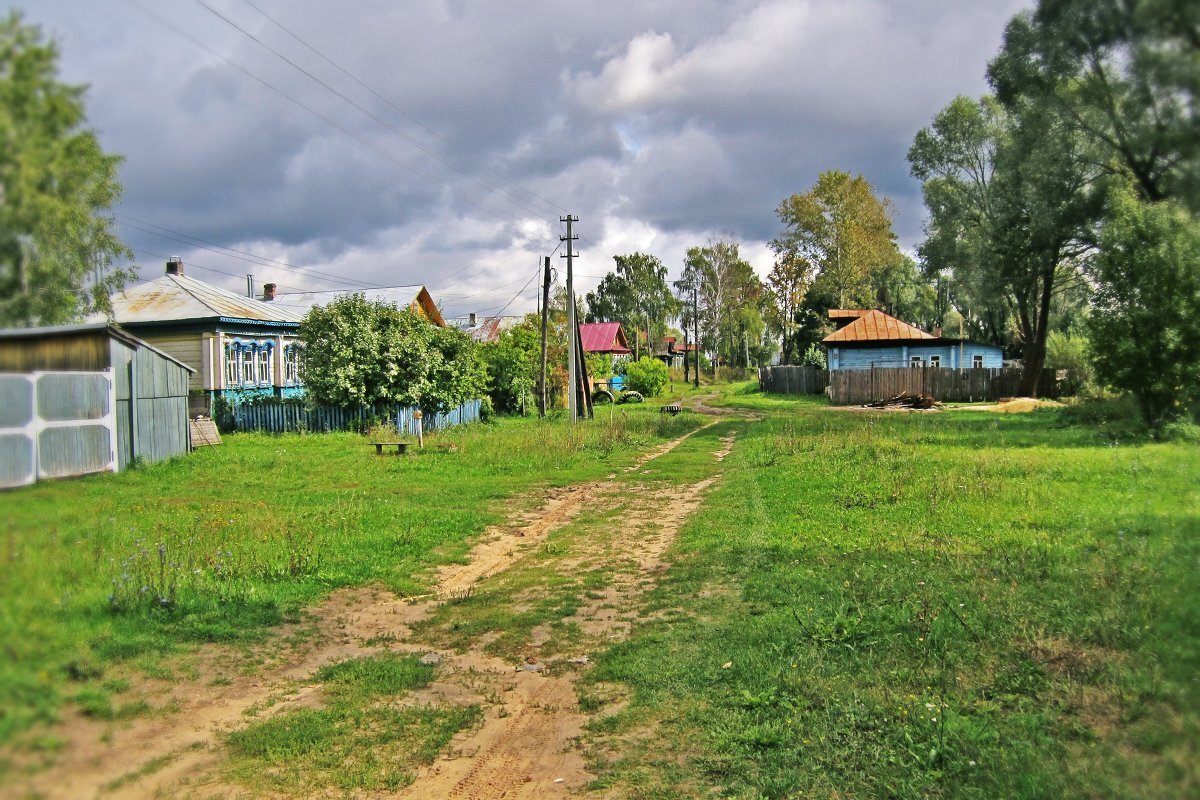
(86, 398)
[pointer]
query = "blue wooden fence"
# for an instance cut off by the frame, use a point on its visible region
(289, 417)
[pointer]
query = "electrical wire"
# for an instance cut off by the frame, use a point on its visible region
(549, 203)
(192, 264)
(367, 112)
(180, 32)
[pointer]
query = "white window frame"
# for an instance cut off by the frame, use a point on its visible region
(914, 361)
(977, 361)
(291, 364)
(935, 361)
(263, 367)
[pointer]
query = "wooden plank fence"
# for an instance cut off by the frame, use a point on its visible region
(292, 417)
(793, 380)
(857, 386)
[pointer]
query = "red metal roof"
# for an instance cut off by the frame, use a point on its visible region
(603, 337)
(875, 326)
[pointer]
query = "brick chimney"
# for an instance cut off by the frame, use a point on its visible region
(268, 292)
(174, 266)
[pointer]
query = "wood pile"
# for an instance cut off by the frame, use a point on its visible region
(906, 400)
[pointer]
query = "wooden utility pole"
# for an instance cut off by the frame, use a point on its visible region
(572, 325)
(545, 320)
(696, 331)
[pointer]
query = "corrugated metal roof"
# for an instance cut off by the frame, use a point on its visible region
(180, 297)
(875, 326)
(400, 296)
(847, 313)
(489, 328)
(603, 337)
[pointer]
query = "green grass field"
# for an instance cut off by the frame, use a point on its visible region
(224, 543)
(956, 604)
(959, 604)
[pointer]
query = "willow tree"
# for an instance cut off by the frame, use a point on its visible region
(58, 251)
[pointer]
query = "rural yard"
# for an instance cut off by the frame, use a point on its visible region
(757, 598)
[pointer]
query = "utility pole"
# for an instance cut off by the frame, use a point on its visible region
(696, 330)
(572, 328)
(545, 320)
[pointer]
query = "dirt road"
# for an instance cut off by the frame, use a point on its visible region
(527, 745)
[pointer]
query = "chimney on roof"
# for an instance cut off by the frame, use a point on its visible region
(174, 266)
(937, 332)
(268, 292)
(471, 319)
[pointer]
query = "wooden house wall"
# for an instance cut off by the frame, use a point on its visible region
(85, 351)
(188, 348)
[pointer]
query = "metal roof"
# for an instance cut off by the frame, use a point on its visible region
(603, 337)
(54, 331)
(489, 329)
(298, 303)
(847, 313)
(173, 298)
(875, 326)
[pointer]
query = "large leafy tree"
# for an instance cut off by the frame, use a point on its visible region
(359, 352)
(845, 231)
(729, 300)
(1120, 74)
(1012, 204)
(58, 252)
(787, 283)
(1143, 327)
(512, 363)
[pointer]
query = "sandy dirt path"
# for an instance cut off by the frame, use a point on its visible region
(524, 747)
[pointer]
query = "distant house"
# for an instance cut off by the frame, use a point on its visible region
(230, 341)
(603, 337)
(415, 297)
(485, 329)
(866, 338)
(671, 352)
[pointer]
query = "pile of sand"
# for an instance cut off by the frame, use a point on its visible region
(1017, 405)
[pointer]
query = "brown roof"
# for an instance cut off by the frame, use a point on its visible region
(847, 313)
(875, 326)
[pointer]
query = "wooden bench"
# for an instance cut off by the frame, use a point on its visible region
(671, 408)
(401, 447)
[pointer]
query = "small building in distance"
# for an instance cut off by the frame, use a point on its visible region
(78, 399)
(485, 329)
(606, 338)
(233, 343)
(866, 338)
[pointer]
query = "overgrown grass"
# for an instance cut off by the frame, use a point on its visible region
(111, 571)
(914, 605)
(360, 741)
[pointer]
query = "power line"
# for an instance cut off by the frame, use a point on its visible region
(178, 31)
(550, 203)
(207, 269)
(367, 112)
(231, 252)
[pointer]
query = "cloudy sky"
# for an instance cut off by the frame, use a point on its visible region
(367, 143)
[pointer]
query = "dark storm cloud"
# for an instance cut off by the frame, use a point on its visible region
(658, 123)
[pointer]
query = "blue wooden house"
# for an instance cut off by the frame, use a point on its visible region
(866, 339)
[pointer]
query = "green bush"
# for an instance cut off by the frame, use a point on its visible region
(647, 376)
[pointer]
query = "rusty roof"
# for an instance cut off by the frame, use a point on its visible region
(488, 329)
(875, 326)
(847, 313)
(400, 296)
(172, 298)
(603, 337)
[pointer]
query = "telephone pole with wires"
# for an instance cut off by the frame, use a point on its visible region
(572, 327)
(545, 319)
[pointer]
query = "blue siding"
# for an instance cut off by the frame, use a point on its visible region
(891, 354)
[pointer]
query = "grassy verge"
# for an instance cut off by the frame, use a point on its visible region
(914, 605)
(219, 545)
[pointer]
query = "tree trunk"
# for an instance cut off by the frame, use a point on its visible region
(1033, 355)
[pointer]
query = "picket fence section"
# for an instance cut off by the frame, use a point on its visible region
(293, 417)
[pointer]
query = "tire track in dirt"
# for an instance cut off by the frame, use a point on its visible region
(175, 754)
(526, 748)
